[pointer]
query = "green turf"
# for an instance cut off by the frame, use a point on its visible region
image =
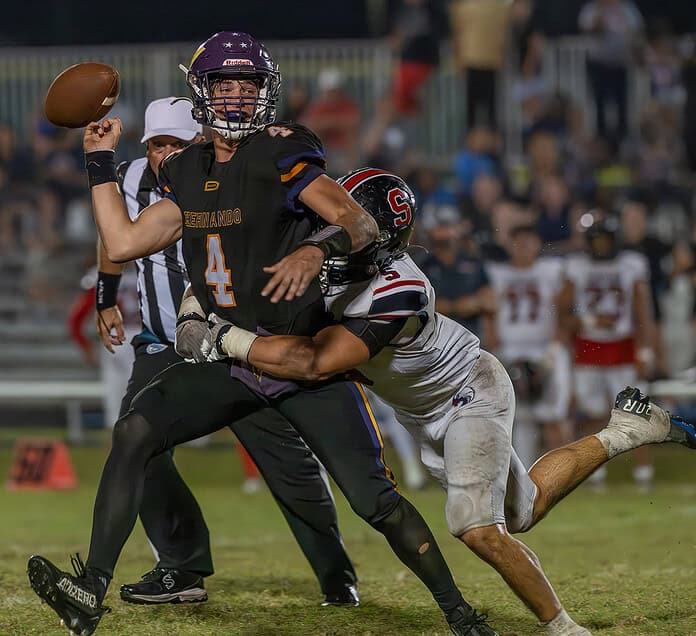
(624, 563)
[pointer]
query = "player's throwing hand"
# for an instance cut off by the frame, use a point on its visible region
(103, 135)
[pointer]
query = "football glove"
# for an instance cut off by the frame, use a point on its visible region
(191, 329)
(225, 340)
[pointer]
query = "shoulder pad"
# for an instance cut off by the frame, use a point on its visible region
(398, 299)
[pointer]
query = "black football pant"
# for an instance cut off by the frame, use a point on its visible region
(173, 520)
(187, 401)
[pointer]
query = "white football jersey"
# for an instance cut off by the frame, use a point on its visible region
(527, 314)
(605, 287)
(425, 365)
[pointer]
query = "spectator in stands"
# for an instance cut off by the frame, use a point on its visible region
(678, 304)
(335, 117)
(415, 36)
(385, 142)
(634, 232)
(479, 34)
(486, 193)
(461, 284)
(616, 26)
(553, 204)
(506, 215)
(663, 62)
(480, 155)
(659, 149)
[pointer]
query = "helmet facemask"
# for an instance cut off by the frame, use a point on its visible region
(233, 117)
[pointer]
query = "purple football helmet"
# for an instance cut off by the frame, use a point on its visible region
(232, 55)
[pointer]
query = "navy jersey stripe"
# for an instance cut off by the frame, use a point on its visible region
(309, 174)
(412, 301)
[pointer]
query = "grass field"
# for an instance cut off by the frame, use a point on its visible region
(624, 563)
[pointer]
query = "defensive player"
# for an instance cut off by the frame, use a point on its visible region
(606, 309)
(455, 397)
(240, 205)
(527, 343)
(169, 512)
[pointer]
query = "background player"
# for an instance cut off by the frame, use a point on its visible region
(455, 397)
(114, 364)
(526, 342)
(605, 308)
(240, 202)
(169, 512)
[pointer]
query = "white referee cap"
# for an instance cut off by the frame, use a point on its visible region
(170, 116)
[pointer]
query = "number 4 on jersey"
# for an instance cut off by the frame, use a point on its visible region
(217, 274)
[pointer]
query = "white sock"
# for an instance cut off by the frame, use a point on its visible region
(563, 625)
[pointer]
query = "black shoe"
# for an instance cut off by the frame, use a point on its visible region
(346, 597)
(467, 622)
(165, 585)
(76, 599)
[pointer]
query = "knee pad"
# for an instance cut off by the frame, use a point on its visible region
(472, 507)
(133, 433)
(406, 522)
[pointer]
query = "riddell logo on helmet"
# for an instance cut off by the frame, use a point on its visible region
(234, 62)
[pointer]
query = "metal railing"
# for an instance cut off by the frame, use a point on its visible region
(151, 71)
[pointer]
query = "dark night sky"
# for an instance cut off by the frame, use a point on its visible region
(87, 22)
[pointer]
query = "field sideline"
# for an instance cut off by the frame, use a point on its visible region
(624, 563)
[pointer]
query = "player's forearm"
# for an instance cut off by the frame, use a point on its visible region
(104, 263)
(292, 357)
(115, 227)
(361, 226)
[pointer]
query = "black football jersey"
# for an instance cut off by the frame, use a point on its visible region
(242, 215)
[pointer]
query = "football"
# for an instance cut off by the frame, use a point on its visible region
(82, 93)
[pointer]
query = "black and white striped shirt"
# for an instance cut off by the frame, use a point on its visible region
(162, 277)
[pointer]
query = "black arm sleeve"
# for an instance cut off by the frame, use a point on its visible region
(376, 334)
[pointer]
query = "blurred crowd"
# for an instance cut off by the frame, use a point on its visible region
(625, 164)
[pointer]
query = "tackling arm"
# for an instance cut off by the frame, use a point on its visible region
(333, 350)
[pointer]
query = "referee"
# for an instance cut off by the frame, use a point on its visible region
(170, 514)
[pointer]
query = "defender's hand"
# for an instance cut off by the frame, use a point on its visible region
(110, 327)
(102, 135)
(217, 328)
(293, 274)
(226, 340)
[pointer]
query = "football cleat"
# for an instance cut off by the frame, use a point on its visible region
(165, 585)
(468, 622)
(662, 426)
(681, 431)
(346, 597)
(76, 599)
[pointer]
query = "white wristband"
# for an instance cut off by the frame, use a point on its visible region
(237, 342)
